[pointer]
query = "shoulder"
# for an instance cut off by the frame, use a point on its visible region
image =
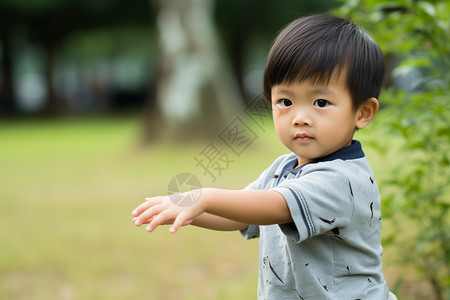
(278, 164)
(283, 159)
(346, 167)
(271, 172)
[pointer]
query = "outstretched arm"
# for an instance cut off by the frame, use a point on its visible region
(258, 207)
(207, 221)
(213, 222)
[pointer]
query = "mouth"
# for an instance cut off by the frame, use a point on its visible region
(303, 137)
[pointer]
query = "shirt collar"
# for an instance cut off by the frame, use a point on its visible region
(352, 151)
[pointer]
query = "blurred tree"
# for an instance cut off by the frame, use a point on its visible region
(7, 97)
(49, 22)
(193, 68)
(195, 92)
(417, 192)
(6, 85)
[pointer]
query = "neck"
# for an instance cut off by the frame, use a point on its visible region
(302, 161)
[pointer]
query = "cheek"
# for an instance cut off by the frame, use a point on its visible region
(338, 126)
(280, 128)
(277, 125)
(275, 111)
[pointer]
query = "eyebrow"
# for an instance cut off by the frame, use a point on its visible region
(284, 91)
(313, 91)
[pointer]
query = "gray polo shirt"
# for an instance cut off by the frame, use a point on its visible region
(332, 248)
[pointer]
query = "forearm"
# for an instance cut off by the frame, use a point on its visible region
(215, 209)
(213, 222)
(258, 207)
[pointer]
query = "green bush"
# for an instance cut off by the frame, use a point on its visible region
(415, 38)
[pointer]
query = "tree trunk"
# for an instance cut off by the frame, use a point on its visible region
(195, 93)
(7, 105)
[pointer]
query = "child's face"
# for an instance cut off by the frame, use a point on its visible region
(314, 120)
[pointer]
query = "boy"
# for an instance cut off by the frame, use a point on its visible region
(317, 209)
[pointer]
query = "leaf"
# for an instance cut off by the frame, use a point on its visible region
(427, 7)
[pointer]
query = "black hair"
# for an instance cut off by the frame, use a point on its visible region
(313, 47)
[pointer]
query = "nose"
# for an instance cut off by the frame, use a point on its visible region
(301, 118)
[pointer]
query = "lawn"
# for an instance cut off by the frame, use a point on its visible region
(67, 189)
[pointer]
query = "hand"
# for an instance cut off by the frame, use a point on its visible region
(163, 210)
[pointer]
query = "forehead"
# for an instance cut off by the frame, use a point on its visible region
(336, 83)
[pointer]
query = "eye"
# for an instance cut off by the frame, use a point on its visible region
(285, 102)
(321, 103)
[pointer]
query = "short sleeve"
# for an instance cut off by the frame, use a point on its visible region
(319, 201)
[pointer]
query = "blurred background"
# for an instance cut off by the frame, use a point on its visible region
(104, 103)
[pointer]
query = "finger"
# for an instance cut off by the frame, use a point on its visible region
(145, 222)
(160, 219)
(149, 202)
(179, 221)
(188, 222)
(169, 222)
(149, 214)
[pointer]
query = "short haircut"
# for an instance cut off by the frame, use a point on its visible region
(313, 47)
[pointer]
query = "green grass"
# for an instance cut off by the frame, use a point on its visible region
(67, 189)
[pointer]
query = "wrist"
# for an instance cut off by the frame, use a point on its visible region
(205, 199)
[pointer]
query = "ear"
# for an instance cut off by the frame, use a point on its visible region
(366, 112)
